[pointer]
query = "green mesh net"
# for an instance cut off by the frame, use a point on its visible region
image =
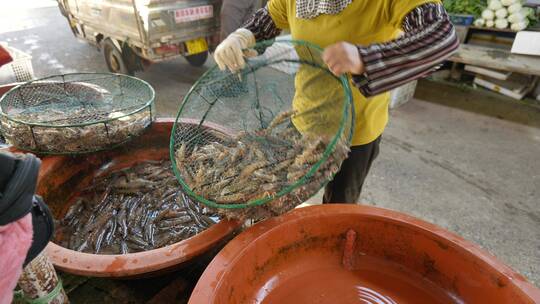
(76, 113)
(257, 143)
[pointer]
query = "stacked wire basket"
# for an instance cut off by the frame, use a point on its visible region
(76, 113)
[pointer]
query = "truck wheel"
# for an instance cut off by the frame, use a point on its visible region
(113, 58)
(197, 60)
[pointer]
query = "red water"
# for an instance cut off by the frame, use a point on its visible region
(322, 279)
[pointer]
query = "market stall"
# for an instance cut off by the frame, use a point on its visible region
(489, 32)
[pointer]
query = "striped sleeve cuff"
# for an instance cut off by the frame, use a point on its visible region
(262, 25)
(429, 39)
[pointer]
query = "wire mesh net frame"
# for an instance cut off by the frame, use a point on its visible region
(347, 112)
(113, 107)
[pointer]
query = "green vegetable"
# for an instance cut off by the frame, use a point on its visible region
(469, 7)
(533, 16)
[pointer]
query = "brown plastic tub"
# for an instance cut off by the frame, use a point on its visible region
(61, 175)
(6, 87)
(305, 257)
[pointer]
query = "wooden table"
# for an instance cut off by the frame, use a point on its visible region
(497, 59)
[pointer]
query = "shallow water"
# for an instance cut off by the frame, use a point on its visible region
(314, 279)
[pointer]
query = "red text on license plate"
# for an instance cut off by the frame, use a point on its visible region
(193, 13)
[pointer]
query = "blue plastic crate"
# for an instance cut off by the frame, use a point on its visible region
(465, 20)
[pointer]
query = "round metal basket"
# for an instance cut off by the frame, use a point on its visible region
(257, 112)
(76, 113)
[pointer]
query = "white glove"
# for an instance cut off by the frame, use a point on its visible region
(229, 53)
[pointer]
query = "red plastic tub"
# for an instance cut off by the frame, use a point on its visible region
(356, 254)
(61, 175)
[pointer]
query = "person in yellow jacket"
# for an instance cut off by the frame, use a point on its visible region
(379, 45)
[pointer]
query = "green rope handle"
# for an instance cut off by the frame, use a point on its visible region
(20, 297)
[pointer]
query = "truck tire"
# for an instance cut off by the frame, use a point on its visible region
(197, 60)
(113, 58)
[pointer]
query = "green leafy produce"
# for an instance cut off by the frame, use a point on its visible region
(533, 16)
(469, 7)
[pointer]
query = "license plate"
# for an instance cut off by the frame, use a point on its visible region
(193, 13)
(196, 46)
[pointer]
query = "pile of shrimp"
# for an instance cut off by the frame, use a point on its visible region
(276, 162)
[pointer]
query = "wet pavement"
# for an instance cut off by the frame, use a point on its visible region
(36, 27)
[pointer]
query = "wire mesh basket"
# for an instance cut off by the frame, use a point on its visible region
(76, 113)
(259, 142)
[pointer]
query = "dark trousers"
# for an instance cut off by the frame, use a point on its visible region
(347, 184)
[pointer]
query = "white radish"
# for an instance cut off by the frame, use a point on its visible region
(519, 26)
(490, 23)
(527, 11)
(501, 13)
(494, 5)
(488, 14)
(508, 2)
(501, 23)
(514, 8)
(479, 22)
(516, 18)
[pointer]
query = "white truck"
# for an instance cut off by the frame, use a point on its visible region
(135, 33)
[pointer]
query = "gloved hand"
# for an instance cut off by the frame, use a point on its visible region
(230, 52)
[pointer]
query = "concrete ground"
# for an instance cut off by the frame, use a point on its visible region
(475, 175)
(466, 161)
(472, 173)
